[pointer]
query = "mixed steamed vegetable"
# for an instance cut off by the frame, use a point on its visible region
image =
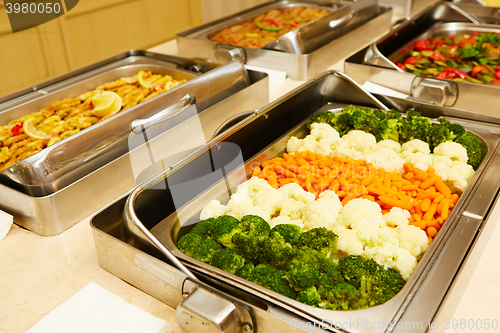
(471, 57)
(342, 218)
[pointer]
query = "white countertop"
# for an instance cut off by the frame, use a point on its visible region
(39, 273)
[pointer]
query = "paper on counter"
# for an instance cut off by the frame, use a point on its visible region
(275, 77)
(5, 223)
(94, 309)
(381, 90)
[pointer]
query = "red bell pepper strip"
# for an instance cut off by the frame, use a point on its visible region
(496, 82)
(91, 105)
(497, 68)
(412, 60)
(17, 129)
(477, 69)
(424, 44)
(451, 73)
(467, 41)
(497, 75)
(273, 21)
(400, 65)
(437, 42)
(293, 24)
(255, 44)
(438, 56)
(234, 41)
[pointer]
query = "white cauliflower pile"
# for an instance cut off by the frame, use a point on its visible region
(449, 158)
(360, 225)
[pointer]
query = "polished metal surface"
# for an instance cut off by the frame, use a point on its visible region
(167, 217)
(376, 62)
(310, 49)
(477, 9)
(98, 178)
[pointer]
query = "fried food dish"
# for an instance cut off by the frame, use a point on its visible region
(64, 118)
(268, 27)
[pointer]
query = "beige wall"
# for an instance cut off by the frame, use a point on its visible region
(215, 9)
(93, 30)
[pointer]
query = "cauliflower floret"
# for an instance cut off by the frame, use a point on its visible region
(397, 217)
(323, 212)
(441, 162)
(452, 150)
(415, 146)
(349, 242)
(360, 141)
(341, 149)
(390, 144)
(290, 207)
(295, 191)
(412, 239)
(420, 160)
(387, 159)
(360, 213)
(396, 257)
(320, 140)
(213, 209)
(457, 177)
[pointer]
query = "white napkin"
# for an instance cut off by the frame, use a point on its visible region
(275, 77)
(94, 309)
(5, 223)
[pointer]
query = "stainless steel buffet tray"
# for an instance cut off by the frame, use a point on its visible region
(45, 192)
(372, 63)
(155, 214)
(302, 53)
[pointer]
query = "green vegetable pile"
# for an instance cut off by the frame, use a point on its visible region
(291, 262)
(393, 126)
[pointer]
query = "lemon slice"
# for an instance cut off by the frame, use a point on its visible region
(31, 131)
(103, 103)
(106, 104)
(169, 85)
(142, 81)
(54, 140)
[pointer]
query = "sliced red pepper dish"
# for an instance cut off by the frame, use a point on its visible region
(473, 57)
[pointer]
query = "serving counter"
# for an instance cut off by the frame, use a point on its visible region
(39, 273)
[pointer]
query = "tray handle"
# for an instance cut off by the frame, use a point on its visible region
(139, 125)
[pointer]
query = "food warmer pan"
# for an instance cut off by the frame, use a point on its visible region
(303, 52)
(479, 10)
(372, 63)
(45, 191)
(136, 236)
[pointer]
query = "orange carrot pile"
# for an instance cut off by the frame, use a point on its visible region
(422, 193)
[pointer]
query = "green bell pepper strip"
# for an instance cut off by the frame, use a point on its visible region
(268, 29)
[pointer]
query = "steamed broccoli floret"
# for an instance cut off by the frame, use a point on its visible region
(255, 225)
(276, 250)
(393, 114)
(439, 134)
(319, 239)
(471, 143)
(254, 230)
(206, 251)
(326, 117)
(190, 243)
(246, 271)
(204, 228)
(418, 126)
(309, 296)
(202, 249)
(303, 269)
(291, 232)
(342, 124)
(272, 279)
(228, 260)
(455, 130)
(354, 267)
(224, 228)
(342, 296)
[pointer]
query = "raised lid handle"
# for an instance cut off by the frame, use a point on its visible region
(139, 125)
